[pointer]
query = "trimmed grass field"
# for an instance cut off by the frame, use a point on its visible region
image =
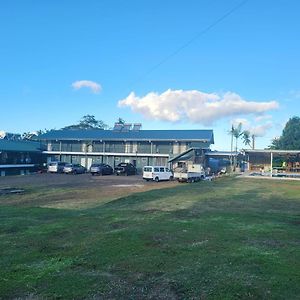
(228, 239)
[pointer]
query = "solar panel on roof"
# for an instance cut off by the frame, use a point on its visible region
(126, 127)
(118, 127)
(137, 126)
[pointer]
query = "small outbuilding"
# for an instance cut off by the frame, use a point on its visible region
(274, 162)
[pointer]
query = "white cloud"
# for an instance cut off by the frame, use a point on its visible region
(194, 106)
(245, 123)
(260, 130)
(263, 118)
(94, 86)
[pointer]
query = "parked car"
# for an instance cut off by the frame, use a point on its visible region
(74, 169)
(125, 169)
(101, 169)
(157, 173)
(56, 167)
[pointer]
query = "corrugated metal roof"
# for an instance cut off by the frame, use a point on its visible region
(222, 153)
(153, 135)
(269, 151)
(21, 146)
(184, 155)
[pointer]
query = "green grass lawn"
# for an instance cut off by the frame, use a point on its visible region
(227, 239)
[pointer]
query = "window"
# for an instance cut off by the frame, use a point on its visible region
(161, 169)
(156, 169)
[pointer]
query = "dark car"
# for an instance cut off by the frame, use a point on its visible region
(125, 169)
(101, 169)
(74, 169)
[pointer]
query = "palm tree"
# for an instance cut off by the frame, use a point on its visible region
(246, 137)
(237, 132)
(231, 149)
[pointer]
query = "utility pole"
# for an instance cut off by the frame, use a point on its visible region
(253, 141)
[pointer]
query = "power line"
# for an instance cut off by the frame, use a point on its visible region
(198, 35)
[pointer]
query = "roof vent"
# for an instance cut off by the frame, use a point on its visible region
(137, 126)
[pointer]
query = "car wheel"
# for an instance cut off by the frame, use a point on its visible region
(75, 172)
(171, 178)
(156, 179)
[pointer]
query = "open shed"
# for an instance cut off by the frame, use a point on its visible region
(274, 162)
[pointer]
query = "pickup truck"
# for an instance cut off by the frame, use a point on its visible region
(189, 173)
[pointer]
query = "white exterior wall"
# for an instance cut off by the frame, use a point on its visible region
(176, 148)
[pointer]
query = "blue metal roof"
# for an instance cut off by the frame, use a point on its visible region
(149, 135)
(20, 146)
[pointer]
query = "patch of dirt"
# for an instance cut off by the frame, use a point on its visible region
(74, 192)
(10, 191)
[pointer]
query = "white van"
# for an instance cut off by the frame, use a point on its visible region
(157, 173)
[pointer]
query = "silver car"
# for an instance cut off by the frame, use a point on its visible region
(56, 167)
(74, 169)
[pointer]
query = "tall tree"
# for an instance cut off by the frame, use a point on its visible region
(121, 121)
(246, 137)
(290, 137)
(32, 135)
(88, 122)
(231, 144)
(237, 133)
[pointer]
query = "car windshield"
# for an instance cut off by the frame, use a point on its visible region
(69, 165)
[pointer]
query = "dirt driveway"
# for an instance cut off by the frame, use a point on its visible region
(74, 191)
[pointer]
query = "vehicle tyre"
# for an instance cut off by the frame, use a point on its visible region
(74, 172)
(171, 178)
(156, 179)
(93, 174)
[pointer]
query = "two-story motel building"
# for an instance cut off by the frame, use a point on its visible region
(122, 144)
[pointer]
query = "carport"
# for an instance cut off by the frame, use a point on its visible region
(274, 162)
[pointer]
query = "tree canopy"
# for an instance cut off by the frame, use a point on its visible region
(290, 137)
(88, 122)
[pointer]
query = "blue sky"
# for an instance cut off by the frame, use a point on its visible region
(244, 69)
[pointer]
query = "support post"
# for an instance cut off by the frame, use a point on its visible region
(271, 173)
